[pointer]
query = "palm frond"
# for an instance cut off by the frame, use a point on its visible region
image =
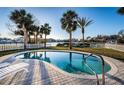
(68, 21)
(84, 22)
(121, 11)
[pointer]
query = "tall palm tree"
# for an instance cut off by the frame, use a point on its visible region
(46, 31)
(41, 31)
(35, 30)
(23, 20)
(82, 23)
(121, 11)
(69, 23)
(37, 33)
(30, 33)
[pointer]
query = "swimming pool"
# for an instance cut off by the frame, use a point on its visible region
(70, 62)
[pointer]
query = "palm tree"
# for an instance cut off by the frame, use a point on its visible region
(21, 33)
(121, 11)
(18, 32)
(30, 33)
(46, 29)
(69, 23)
(82, 23)
(41, 31)
(35, 31)
(23, 20)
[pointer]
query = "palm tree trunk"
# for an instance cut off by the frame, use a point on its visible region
(29, 39)
(41, 39)
(70, 40)
(25, 37)
(45, 42)
(83, 36)
(36, 38)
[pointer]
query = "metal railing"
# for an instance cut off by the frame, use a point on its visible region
(103, 71)
(103, 63)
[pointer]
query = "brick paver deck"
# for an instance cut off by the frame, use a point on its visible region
(40, 73)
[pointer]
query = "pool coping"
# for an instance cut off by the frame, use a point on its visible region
(113, 70)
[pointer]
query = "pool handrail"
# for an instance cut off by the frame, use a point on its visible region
(91, 68)
(103, 64)
(103, 71)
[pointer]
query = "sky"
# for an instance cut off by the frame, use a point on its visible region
(106, 20)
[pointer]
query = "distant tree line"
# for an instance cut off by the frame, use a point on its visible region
(119, 38)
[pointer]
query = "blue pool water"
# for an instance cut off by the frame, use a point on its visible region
(68, 61)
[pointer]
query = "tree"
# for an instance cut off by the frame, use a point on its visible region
(35, 30)
(88, 38)
(69, 23)
(46, 29)
(30, 33)
(121, 33)
(121, 11)
(82, 23)
(41, 31)
(121, 36)
(21, 33)
(23, 20)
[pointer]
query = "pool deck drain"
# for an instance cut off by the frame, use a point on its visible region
(40, 73)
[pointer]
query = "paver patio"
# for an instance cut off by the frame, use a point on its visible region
(40, 73)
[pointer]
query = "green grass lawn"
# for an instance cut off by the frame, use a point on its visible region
(3, 53)
(102, 51)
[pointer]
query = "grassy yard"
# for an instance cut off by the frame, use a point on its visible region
(3, 53)
(102, 51)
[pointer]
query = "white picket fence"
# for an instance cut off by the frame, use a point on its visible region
(4, 47)
(115, 46)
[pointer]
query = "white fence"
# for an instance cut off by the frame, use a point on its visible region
(115, 46)
(4, 47)
(97, 45)
(107, 45)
